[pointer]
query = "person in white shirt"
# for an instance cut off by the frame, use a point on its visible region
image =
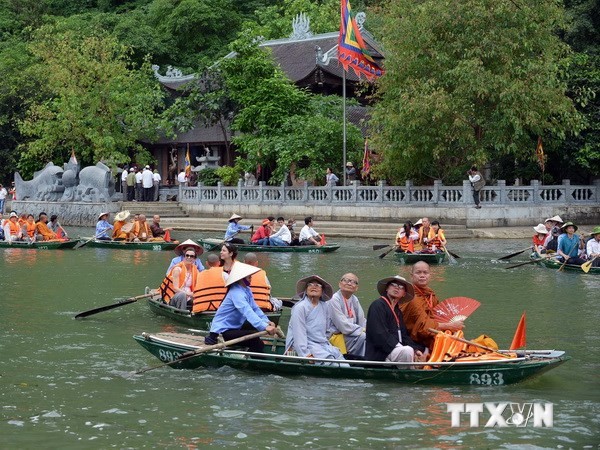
(124, 183)
(3, 194)
(283, 236)
(138, 186)
(157, 179)
(308, 236)
(147, 183)
(182, 178)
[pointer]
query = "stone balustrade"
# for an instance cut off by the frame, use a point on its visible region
(408, 195)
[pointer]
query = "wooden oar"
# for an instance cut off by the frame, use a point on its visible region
(384, 254)
(525, 263)
(124, 302)
(588, 265)
(560, 269)
(208, 348)
(512, 255)
(380, 246)
(81, 244)
(451, 260)
(466, 341)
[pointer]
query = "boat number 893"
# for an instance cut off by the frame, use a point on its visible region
(488, 379)
(167, 355)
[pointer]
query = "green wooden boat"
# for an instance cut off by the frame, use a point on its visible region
(169, 346)
(213, 244)
(41, 245)
(124, 245)
(201, 321)
(411, 258)
(553, 264)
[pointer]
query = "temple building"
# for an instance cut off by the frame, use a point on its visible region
(309, 60)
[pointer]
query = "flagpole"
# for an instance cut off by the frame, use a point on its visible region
(344, 119)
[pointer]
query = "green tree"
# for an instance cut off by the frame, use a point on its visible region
(98, 105)
(468, 81)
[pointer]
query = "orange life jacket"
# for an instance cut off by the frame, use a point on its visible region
(14, 228)
(406, 244)
(167, 289)
(261, 291)
(138, 230)
(435, 238)
(30, 228)
(209, 290)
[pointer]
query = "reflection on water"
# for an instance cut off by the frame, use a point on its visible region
(68, 383)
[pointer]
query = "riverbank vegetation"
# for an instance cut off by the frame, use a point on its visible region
(467, 82)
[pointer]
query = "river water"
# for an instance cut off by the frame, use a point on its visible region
(67, 383)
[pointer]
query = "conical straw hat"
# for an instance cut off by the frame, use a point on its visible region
(240, 271)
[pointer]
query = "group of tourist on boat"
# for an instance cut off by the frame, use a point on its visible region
(324, 324)
(558, 240)
(24, 228)
(424, 236)
(131, 228)
(274, 233)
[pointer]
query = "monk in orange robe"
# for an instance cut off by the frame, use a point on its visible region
(418, 313)
(41, 228)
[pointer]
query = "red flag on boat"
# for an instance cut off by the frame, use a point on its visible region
(366, 164)
(352, 50)
(323, 242)
(520, 338)
(167, 236)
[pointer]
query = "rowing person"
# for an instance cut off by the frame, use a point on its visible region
(387, 336)
(308, 235)
(234, 228)
(347, 318)
(237, 308)
(103, 227)
(418, 313)
(307, 330)
(569, 244)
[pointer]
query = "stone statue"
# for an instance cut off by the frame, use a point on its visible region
(46, 184)
(52, 184)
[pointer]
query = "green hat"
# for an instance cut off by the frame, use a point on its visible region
(569, 224)
(595, 231)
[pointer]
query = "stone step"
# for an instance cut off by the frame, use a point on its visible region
(163, 209)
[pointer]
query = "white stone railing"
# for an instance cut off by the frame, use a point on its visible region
(438, 194)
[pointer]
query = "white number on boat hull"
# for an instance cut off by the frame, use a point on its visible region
(488, 379)
(156, 248)
(315, 250)
(167, 355)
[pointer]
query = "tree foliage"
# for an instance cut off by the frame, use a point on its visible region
(97, 105)
(468, 81)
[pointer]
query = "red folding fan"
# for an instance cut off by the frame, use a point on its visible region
(455, 309)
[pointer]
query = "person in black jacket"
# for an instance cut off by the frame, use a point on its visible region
(387, 336)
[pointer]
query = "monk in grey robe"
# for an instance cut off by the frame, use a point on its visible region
(347, 316)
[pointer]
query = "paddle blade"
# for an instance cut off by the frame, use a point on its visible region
(455, 309)
(91, 312)
(383, 255)
(380, 246)
(512, 255)
(520, 337)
